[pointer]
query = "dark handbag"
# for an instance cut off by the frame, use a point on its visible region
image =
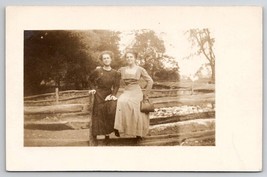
(146, 106)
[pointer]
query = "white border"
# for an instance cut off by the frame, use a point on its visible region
(238, 32)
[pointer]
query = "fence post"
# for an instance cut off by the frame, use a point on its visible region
(92, 141)
(192, 88)
(57, 96)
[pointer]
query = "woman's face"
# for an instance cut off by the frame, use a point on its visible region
(106, 59)
(130, 58)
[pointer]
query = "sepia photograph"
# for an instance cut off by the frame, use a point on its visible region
(87, 88)
(133, 88)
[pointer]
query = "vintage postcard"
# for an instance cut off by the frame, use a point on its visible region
(133, 88)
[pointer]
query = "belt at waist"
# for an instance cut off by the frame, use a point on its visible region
(131, 82)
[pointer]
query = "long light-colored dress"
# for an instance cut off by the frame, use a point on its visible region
(129, 119)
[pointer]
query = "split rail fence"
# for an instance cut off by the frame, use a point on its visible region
(71, 110)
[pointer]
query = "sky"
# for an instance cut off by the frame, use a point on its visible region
(177, 46)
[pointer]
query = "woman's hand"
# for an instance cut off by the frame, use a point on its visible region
(92, 92)
(110, 97)
(113, 97)
(145, 96)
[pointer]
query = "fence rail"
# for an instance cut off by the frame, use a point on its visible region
(61, 105)
(70, 96)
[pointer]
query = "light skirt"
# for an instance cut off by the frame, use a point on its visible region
(129, 119)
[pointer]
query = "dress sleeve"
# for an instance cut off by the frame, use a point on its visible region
(116, 83)
(147, 78)
(92, 80)
(120, 70)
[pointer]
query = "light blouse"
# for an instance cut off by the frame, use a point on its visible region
(133, 75)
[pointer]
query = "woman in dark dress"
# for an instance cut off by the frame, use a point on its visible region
(104, 83)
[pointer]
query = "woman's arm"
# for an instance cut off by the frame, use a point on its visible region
(148, 79)
(92, 80)
(116, 85)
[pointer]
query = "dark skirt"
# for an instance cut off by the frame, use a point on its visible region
(103, 113)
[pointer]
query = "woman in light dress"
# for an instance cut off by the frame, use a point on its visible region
(129, 119)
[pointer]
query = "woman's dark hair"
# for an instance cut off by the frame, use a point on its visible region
(111, 54)
(132, 52)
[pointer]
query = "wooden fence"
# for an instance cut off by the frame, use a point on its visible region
(74, 110)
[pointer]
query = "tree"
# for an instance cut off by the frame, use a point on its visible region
(150, 49)
(92, 43)
(42, 59)
(201, 38)
(64, 57)
(169, 71)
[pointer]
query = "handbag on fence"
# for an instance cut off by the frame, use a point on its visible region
(146, 106)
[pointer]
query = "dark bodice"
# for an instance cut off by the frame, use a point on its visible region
(103, 79)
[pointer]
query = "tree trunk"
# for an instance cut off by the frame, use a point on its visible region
(212, 73)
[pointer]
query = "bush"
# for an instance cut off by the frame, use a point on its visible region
(167, 75)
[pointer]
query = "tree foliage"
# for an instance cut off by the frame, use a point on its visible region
(201, 38)
(64, 57)
(151, 51)
(170, 70)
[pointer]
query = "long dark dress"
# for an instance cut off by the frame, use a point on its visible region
(105, 83)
